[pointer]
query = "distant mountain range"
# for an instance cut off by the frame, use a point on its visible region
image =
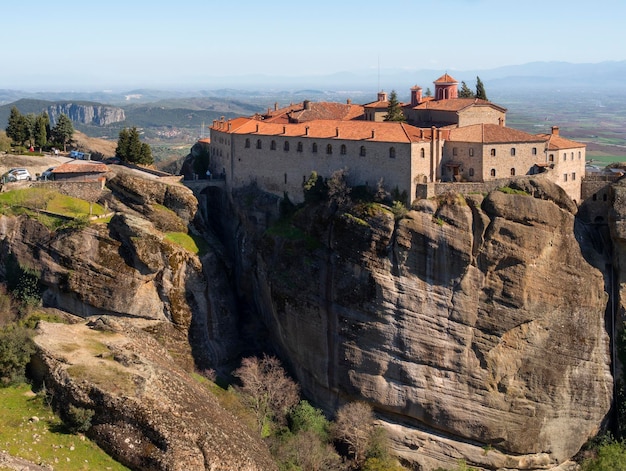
(357, 84)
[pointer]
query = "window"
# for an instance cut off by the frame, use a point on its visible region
(493, 172)
(471, 172)
(551, 158)
(329, 149)
(422, 153)
(573, 176)
(565, 177)
(534, 151)
(595, 197)
(247, 143)
(273, 145)
(314, 149)
(564, 156)
(493, 152)
(572, 156)
(512, 172)
(392, 152)
(455, 151)
(580, 154)
(285, 179)
(286, 146)
(512, 151)
(299, 148)
(343, 150)
(471, 151)
(362, 151)
(258, 144)
(604, 198)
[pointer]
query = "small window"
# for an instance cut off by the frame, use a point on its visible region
(493, 152)
(564, 156)
(573, 176)
(343, 150)
(565, 177)
(551, 157)
(580, 154)
(493, 172)
(512, 172)
(247, 143)
(455, 151)
(471, 151)
(512, 151)
(362, 151)
(286, 146)
(329, 149)
(534, 151)
(595, 197)
(392, 152)
(604, 197)
(572, 156)
(471, 172)
(273, 145)
(314, 148)
(422, 153)
(299, 148)
(285, 179)
(258, 144)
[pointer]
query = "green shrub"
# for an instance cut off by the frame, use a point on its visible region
(610, 457)
(305, 417)
(79, 419)
(16, 348)
(512, 191)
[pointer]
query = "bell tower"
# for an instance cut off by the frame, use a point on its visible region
(446, 87)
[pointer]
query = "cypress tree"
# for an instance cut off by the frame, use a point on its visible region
(394, 111)
(465, 91)
(480, 89)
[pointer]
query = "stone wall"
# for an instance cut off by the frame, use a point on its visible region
(89, 191)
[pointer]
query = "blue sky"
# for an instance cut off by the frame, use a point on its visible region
(115, 44)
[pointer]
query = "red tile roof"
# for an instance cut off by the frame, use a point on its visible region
(492, 134)
(81, 168)
(455, 104)
(556, 142)
(316, 110)
(445, 78)
(327, 129)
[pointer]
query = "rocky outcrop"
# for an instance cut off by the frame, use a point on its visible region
(474, 326)
(93, 114)
(149, 413)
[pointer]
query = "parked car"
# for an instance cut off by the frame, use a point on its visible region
(46, 174)
(18, 174)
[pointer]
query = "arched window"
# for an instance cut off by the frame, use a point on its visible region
(564, 156)
(362, 151)
(392, 152)
(329, 149)
(422, 153)
(286, 146)
(493, 172)
(579, 155)
(343, 150)
(314, 148)
(493, 152)
(247, 143)
(551, 158)
(273, 145)
(258, 144)
(471, 172)
(512, 151)
(299, 148)
(512, 172)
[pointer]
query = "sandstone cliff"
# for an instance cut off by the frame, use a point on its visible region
(474, 326)
(87, 113)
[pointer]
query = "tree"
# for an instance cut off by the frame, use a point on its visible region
(480, 90)
(268, 390)
(17, 128)
(353, 426)
(131, 149)
(394, 110)
(428, 92)
(63, 131)
(42, 127)
(465, 91)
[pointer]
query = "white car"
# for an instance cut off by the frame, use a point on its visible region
(18, 174)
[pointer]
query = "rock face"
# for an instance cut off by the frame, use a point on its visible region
(87, 113)
(148, 413)
(472, 324)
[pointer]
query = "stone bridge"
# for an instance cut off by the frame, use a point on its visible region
(198, 186)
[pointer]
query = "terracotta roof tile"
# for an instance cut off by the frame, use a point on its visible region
(81, 168)
(556, 142)
(316, 110)
(445, 78)
(327, 129)
(455, 104)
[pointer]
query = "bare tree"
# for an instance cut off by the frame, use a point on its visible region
(267, 389)
(338, 189)
(353, 426)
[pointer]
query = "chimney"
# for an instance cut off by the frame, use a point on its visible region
(416, 95)
(306, 131)
(421, 133)
(555, 130)
(229, 125)
(500, 122)
(257, 128)
(382, 96)
(337, 132)
(307, 104)
(275, 105)
(349, 101)
(284, 129)
(373, 134)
